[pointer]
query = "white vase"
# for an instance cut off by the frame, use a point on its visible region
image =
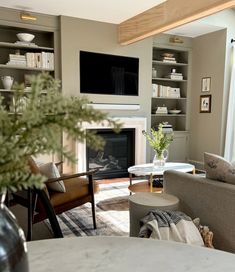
(7, 82)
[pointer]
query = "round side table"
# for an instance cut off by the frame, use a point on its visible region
(141, 203)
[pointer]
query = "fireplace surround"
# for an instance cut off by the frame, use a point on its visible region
(137, 123)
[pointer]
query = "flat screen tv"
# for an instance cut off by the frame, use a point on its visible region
(108, 74)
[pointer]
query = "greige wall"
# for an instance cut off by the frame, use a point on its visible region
(208, 56)
(80, 34)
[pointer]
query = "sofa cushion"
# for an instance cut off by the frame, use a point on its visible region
(51, 171)
(218, 168)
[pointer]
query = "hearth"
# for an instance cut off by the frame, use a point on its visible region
(118, 154)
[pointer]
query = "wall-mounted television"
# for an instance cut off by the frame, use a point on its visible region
(108, 74)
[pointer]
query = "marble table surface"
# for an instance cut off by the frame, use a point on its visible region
(148, 168)
(120, 254)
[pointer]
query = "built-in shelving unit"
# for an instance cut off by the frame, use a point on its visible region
(40, 49)
(163, 70)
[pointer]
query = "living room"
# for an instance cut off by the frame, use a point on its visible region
(209, 56)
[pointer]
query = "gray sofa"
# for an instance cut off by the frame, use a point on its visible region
(210, 200)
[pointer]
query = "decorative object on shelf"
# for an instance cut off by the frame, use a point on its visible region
(154, 72)
(36, 131)
(13, 253)
(159, 140)
(168, 57)
(25, 37)
(206, 84)
(7, 82)
(20, 104)
(175, 39)
(205, 103)
(175, 111)
(161, 110)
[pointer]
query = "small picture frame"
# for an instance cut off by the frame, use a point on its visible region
(205, 103)
(206, 84)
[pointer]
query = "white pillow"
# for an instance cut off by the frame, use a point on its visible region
(51, 171)
(218, 168)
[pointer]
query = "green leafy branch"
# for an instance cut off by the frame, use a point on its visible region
(35, 125)
(158, 140)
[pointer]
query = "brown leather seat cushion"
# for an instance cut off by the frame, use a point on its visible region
(75, 189)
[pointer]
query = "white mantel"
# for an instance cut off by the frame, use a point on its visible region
(138, 123)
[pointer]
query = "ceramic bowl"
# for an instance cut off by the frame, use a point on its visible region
(174, 111)
(25, 37)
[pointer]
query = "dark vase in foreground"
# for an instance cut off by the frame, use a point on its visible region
(13, 253)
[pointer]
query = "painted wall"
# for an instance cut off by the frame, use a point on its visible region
(215, 142)
(208, 55)
(80, 34)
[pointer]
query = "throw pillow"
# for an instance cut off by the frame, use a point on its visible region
(218, 168)
(51, 171)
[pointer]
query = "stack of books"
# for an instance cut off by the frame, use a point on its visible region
(169, 59)
(25, 43)
(16, 59)
(167, 128)
(165, 91)
(177, 76)
(44, 60)
(161, 110)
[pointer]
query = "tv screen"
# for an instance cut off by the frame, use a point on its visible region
(108, 74)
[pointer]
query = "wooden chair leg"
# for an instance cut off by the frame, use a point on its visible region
(90, 178)
(50, 214)
(93, 213)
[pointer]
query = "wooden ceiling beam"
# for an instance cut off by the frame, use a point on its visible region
(168, 15)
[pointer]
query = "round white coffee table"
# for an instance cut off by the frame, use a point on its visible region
(105, 254)
(149, 170)
(141, 203)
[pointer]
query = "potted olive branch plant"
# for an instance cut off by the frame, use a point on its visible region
(33, 128)
(160, 142)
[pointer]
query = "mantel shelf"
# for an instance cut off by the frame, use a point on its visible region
(28, 47)
(25, 91)
(24, 68)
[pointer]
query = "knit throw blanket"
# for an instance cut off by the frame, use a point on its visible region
(170, 225)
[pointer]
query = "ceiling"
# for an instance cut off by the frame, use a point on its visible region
(110, 11)
(194, 29)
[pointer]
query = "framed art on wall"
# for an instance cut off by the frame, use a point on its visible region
(205, 103)
(206, 84)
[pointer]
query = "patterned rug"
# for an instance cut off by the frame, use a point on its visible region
(112, 214)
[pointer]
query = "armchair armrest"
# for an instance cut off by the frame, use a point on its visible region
(88, 173)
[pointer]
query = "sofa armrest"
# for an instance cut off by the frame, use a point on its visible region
(210, 200)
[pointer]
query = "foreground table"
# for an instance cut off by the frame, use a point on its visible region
(117, 254)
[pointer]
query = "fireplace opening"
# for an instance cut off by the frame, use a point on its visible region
(118, 154)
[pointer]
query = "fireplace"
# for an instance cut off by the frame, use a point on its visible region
(118, 154)
(136, 124)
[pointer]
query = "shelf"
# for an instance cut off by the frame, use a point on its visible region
(168, 115)
(168, 79)
(24, 68)
(171, 98)
(169, 63)
(28, 47)
(25, 91)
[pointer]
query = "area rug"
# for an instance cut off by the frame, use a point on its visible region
(112, 214)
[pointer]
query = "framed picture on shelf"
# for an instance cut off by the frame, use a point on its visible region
(206, 84)
(205, 103)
